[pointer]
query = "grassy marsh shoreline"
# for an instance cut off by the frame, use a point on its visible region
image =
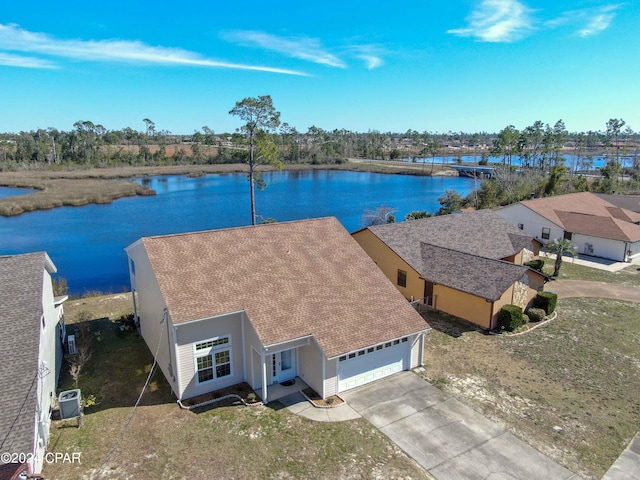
(57, 188)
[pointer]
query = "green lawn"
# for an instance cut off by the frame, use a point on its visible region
(166, 442)
(572, 271)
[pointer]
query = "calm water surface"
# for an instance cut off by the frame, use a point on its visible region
(12, 192)
(86, 243)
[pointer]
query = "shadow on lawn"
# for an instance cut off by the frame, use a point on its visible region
(448, 324)
(116, 368)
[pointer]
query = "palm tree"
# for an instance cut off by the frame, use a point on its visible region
(560, 247)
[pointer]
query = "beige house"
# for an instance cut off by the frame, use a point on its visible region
(469, 265)
(269, 303)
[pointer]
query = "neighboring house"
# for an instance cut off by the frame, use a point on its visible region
(628, 202)
(466, 264)
(31, 351)
(267, 303)
(595, 226)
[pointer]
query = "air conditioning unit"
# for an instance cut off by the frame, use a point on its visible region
(71, 345)
(70, 403)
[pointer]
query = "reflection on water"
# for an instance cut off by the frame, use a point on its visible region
(87, 243)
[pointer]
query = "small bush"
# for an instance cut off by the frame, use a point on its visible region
(535, 264)
(510, 317)
(536, 314)
(546, 301)
(525, 318)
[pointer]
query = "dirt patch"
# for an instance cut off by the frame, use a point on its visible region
(570, 388)
(318, 401)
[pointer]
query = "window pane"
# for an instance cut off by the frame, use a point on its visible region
(204, 375)
(402, 278)
(223, 370)
(205, 362)
(222, 357)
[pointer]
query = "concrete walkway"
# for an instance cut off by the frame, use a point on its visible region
(594, 262)
(581, 288)
(449, 439)
(298, 404)
(627, 467)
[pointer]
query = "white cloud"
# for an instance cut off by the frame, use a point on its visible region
(9, 60)
(15, 39)
(371, 55)
(587, 21)
(371, 61)
(302, 48)
(497, 21)
(597, 20)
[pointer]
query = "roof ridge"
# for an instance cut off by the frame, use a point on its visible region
(240, 227)
(460, 252)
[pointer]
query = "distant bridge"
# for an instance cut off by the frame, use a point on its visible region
(474, 171)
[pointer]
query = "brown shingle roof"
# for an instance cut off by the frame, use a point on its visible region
(21, 283)
(596, 226)
(292, 279)
(585, 203)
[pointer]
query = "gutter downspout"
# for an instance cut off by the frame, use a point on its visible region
(264, 377)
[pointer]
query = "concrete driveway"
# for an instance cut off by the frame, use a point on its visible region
(449, 439)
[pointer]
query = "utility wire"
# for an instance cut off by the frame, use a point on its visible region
(133, 410)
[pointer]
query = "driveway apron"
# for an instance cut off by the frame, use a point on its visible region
(449, 439)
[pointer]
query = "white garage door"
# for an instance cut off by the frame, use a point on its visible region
(372, 363)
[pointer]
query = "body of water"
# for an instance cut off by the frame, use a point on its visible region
(86, 243)
(598, 161)
(12, 192)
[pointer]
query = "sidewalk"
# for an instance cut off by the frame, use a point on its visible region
(298, 404)
(594, 262)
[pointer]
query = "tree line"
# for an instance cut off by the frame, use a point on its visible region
(90, 145)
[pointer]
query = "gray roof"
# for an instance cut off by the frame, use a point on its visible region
(482, 232)
(628, 202)
(462, 251)
(483, 277)
(21, 284)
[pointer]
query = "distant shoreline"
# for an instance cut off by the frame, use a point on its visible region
(57, 188)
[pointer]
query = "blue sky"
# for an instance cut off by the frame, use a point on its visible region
(389, 66)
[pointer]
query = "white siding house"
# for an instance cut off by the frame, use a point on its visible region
(31, 351)
(270, 303)
(596, 227)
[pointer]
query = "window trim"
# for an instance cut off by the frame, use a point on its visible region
(546, 235)
(219, 338)
(211, 351)
(402, 278)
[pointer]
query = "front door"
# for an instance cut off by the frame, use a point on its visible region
(283, 366)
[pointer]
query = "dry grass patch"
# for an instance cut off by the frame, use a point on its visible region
(571, 388)
(164, 441)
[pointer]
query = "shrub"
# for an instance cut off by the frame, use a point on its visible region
(536, 314)
(546, 301)
(535, 264)
(510, 317)
(525, 318)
